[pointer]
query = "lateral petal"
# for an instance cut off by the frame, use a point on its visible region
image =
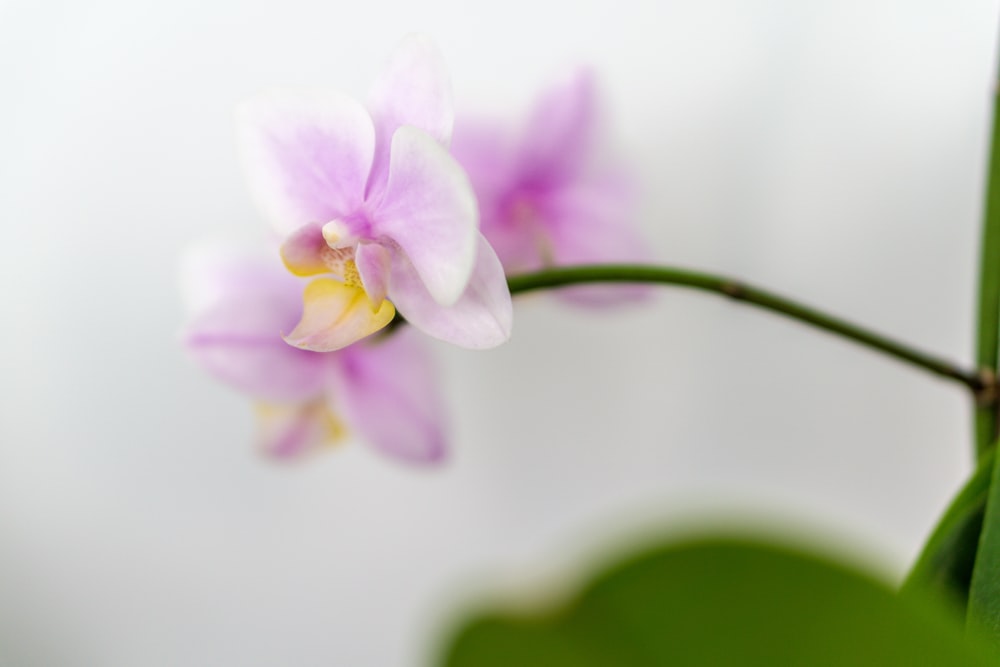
(336, 315)
(430, 211)
(307, 155)
(386, 391)
(560, 132)
(480, 319)
(241, 302)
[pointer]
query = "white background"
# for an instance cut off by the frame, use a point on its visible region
(831, 150)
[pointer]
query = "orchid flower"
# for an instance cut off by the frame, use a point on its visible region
(381, 389)
(374, 207)
(548, 194)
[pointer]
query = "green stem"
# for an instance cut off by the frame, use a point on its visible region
(739, 291)
(988, 331)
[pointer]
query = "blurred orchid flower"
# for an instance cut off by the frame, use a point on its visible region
(375, 207)
(548, 192)
(382, 389)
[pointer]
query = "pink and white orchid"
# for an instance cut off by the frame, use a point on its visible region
(381, 389)
(375, 208)
(548, 192)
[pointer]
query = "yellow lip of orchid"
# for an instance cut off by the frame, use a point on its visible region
(337, 314)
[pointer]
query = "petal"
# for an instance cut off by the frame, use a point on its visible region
(413, 89)
(213, 272)
(373, 262)
(485, 152)
(336, 315)
(485, 149)
(430, 211)
(242, 305)
(307, 155)
(289, 431)
(386, 391)
(591, 223)
(480, 319)
(559, 133)
(302, 252)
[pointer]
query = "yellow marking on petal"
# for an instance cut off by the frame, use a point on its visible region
(336, 429)
(292, 430)
(335, 315)
(350, 275)
(336, 260)
(305, 266)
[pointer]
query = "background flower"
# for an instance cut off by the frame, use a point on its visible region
(383, 389)
(549, 191)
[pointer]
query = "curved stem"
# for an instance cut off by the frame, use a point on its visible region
(739, 291)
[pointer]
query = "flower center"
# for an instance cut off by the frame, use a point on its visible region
(338, 255)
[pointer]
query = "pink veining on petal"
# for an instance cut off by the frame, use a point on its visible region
(307, 155)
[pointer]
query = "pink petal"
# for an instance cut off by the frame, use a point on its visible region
(413, 89)
(290, 431)
(210, 273)
(242, 304)
(336, 315)
(306, 253)
(560, 131)
(430, 211)
(303, 251)
(307, 155)
(480, 319)
(591, 223)
(592, 220)
(486, 152)
(373, 264)
(387, 392)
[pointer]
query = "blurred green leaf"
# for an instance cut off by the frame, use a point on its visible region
(944, 567)
(984, 592)
(722, 602)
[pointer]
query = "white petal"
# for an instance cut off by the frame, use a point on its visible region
(430, 211)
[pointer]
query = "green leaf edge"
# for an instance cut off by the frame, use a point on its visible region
(563, 640)
(945, 565)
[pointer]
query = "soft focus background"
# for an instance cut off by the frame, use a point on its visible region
(831, 150)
